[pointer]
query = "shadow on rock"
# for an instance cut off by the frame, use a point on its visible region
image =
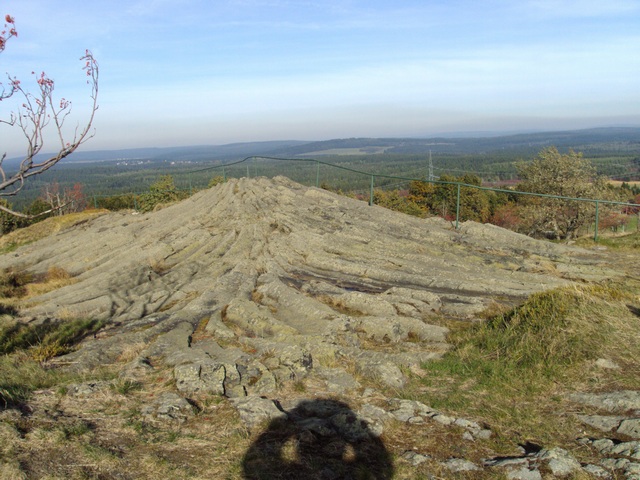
(319, 439)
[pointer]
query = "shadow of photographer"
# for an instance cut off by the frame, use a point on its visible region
(318, 439)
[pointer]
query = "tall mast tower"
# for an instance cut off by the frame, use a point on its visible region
(432, 177)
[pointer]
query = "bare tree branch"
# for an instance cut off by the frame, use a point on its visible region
(29, 217)
(37, 113)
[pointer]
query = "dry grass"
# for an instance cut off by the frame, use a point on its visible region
(46, 228)
(131, 351)
(18, 288)
(514, 371)
(158, 266)
(55, 278)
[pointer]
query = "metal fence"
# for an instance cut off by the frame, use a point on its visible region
(235, 167)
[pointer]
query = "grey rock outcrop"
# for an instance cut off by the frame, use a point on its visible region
(169, 407)
(627, 401)
(258, 282)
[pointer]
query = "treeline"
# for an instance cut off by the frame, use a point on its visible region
(100, 179)
(550, 173)
(549, 176)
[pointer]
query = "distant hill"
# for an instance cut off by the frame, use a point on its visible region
(591, 141)
(193, 153)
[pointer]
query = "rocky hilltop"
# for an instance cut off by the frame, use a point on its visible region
(259, 266)
(248, 288)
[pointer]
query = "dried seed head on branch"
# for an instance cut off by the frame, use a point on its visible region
(40, 112)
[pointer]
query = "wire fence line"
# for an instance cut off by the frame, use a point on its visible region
(224, 169)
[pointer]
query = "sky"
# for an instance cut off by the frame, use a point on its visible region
(212, 72)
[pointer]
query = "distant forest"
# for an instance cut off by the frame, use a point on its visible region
(615, 152)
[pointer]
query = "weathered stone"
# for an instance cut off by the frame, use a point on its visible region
(366, 304)
(169, 407)
(403, 410)
(214, 282)
(385, 372)
(615, 463)
(467, 424)
(559, 461)
(461, 465)
(482, 434)
(516, 468)
(296, 358)
(87, 388)
(604, 423)
(613, 401)
(255, 411)
(630, 427)
(415, 458)
(257, 379)
(136, 369)
(628, 449)
(603, 445)
(200, 378)
(351, 427)
(509, 462)
(338, 381)
(468, 436)
(444, 419)
(632, 471)
(524, 473)
(596, 471)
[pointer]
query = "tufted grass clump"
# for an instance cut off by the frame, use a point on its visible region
(24, 348)
(13, 283)
(530, 354)
(45, 340)
(20, 376)
(547, 336)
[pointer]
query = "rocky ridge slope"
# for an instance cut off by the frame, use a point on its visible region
(268, 268)
(256, 284)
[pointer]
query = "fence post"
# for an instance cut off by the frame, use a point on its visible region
(458, 208)
(190, 185)
(135, 203)
(248, 176)
(595, 235)
(95, 202)
(224, 175)
(317, 174)
(371, 192)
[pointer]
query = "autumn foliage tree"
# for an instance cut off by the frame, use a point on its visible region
(64, 200)
(39, 114)
(441, 198)
(564, 175)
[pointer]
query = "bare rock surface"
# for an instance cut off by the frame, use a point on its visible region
(245, 289)
(257, 281)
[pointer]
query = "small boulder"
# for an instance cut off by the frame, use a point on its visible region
(254, 410)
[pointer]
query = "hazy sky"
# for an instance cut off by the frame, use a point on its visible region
(181, 72)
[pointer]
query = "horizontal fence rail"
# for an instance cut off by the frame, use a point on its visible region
(224, 169)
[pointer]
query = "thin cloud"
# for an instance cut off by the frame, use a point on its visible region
(582, 8)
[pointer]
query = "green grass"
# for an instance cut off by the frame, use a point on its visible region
(623, 242)
(20, 376)
(45, 340)
(511, 369)
(124, 386)
(24, 347)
